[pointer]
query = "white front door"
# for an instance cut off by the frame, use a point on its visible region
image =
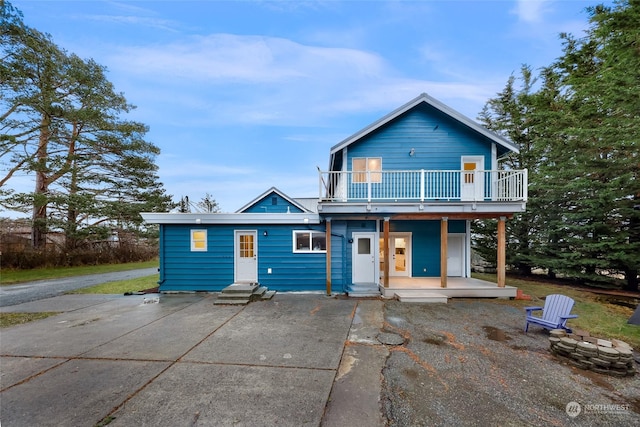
(472, 181)
(455, 255)
(246, 257)
(364, 258)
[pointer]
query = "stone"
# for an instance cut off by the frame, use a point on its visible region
(617, 343)
(390, 338)
(600, 362)
(569, 342)
(558, 333)
(586, 346)
(604, 343)
(611, 352)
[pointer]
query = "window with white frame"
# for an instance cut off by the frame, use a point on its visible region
(364, 167)
(306, 241)
(198, 240)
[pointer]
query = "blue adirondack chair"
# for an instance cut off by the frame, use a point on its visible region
(555, 313)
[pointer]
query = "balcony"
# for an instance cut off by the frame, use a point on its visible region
(423, 186)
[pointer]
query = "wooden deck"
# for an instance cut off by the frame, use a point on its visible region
(427, 289)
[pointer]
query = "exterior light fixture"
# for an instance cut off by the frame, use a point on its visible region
(198, 221)
(412, 152)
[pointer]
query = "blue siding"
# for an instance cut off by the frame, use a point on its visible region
(290, 271)
(267, 205)
(438, 140)
(184, 270)
(425, 241)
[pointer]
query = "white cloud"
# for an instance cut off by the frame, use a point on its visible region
(227, 79)
(531, 11)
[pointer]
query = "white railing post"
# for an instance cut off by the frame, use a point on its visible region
(422, 185)
(368, 186)
(525, 184)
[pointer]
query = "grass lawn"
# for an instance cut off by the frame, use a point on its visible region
(121, 286)
(12, 319)
(598, 314)
(10, 277)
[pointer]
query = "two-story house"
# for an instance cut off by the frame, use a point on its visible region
(392, 217)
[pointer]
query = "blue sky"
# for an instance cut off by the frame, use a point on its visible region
(245, 95)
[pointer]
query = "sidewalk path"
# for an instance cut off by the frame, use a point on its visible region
(33, 291)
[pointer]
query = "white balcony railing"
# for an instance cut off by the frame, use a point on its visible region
(424, 185)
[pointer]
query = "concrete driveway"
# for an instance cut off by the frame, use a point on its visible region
(179, 362)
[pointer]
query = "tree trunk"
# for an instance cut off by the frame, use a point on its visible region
(632, 280)
(39, 216)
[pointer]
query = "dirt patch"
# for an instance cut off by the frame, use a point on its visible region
(496, 334)
(468, 362)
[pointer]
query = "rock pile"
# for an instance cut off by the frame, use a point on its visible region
(613, 357)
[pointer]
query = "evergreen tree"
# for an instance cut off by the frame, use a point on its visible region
(594, 174)
(61, 122)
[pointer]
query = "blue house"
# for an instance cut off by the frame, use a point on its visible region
(392, 217)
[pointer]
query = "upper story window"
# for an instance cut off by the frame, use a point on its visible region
(362, 165)
(198, 240)
(309, 241)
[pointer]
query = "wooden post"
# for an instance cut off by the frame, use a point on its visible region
(501, 260)
(385, 278)
(444, 251)
(328, 254)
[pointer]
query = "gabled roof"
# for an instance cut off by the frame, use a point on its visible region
(424, 98)
(269, 193)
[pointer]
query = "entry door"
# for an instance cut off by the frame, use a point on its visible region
(364, 258)
(246, 257)
(455, 255)
(400, 254)
(471, 181)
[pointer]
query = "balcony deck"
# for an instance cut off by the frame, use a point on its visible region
(424, 186)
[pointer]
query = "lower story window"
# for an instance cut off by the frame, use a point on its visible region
(198, 240)
(309, 241)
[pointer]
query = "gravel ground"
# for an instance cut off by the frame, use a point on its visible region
(469, 363)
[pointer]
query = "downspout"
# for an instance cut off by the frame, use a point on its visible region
(161, 256)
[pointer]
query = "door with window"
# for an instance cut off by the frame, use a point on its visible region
(400, 254)
(472, 178)
(364, 258)
(246, 257)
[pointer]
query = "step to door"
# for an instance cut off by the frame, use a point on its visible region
(421, 296)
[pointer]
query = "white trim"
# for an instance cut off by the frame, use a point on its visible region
(375, 237)
(463, 257)
(236, 233)
(193, 240)
(467, 248)
(235, 218)
(408, 252)
(310, 250)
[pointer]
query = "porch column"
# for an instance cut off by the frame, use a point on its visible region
(385, 278)
(328, 254)
(501, 259)
(444, 251)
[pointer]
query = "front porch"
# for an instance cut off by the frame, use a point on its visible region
(428, 289)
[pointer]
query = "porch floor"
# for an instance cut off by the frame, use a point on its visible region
(457, 287)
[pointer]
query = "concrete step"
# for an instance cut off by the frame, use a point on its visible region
(421, 296)
(241, 288)
(234, 295)
(268, 295)
(363, 290)
(226, 301)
